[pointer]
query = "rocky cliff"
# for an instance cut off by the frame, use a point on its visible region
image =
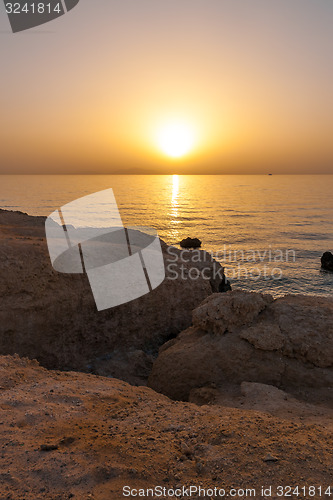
(249, 337)
(52, 316)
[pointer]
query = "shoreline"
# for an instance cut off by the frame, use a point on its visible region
(274, 269)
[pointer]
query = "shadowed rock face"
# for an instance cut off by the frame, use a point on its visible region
(52, 316)
(242, 336)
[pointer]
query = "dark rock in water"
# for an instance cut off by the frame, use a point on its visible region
(190, 243)
(224, 286)
(327, 261)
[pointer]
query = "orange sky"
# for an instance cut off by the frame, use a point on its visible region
(87, 92)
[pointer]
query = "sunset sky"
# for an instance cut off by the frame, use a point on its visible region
(246, 86)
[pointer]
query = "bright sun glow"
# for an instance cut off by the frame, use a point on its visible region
(175, 139)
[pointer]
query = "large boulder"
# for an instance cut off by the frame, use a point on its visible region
(52, 316)
(242, 336)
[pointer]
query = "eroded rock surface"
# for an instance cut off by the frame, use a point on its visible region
(72, 435)
(52, 316)
(242, 336)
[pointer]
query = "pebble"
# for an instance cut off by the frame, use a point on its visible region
(270, 458)
(48, 447)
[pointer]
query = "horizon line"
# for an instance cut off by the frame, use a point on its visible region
(171, 173)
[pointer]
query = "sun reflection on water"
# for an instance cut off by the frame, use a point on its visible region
(175, 189)
(174, 221)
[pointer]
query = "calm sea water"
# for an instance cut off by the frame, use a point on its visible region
(268, 231)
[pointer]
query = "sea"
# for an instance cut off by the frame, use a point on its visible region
(268, 231)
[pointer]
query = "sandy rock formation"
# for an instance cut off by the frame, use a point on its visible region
(52, 316)
(242, 336)
(73, 435)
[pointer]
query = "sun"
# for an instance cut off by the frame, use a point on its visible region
(176, 139)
